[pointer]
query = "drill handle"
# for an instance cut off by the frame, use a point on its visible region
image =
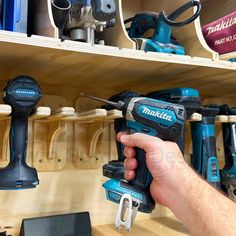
(181, 141)
(119, 126)
(143, 177)
(18, 137)
(229, 140)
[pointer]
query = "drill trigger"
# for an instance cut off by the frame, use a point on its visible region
(127, 203)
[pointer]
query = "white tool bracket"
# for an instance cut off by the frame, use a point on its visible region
(128, 207)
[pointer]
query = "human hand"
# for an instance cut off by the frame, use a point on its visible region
(164, 160)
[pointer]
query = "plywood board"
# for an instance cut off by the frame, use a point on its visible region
(59, 193)
(72, 67)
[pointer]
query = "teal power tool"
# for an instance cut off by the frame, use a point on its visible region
(228, 173)
(187, 97)
(204, 158)
(22, 94)
(115, 169)
(152, 117)
(161, 40)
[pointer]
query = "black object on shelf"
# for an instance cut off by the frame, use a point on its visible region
(75, 224)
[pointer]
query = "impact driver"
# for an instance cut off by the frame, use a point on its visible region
(228, 173)
(152, 117)
(22, 94)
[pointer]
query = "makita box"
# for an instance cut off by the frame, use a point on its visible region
(220, 35)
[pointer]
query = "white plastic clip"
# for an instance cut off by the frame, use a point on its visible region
(127, 203)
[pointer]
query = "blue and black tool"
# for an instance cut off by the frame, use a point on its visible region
(22, 94)
(115, 169)
(1, 14)
(15, 15)
(162, 39)
(228, 173)
(152, 117)
(204, 158)
(188, 97)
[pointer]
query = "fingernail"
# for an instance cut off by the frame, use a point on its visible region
(124, 138)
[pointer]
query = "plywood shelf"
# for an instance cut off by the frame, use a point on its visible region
(70, 67)
(151, 227)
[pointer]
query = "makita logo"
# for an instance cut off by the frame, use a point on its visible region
(223, 25)
(158, 114)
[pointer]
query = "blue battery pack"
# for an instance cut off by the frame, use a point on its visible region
(1, 13)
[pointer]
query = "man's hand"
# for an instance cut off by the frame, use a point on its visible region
(203, 209)
(164, 160)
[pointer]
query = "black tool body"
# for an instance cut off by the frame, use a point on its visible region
(228, 173)
(22, 94)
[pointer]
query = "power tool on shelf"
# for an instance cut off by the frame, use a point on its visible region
(22, 94)
(115, 169)
(80, 20)
(152, 117)
(228, 173)
(204, 157)
(14, 15)
(162, 39)
(188, 97)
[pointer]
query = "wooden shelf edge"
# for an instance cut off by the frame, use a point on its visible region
(151, 227)
(228, 56)
(52, 43)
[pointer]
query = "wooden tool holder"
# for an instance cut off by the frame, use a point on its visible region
(66, 139)
(71, 139)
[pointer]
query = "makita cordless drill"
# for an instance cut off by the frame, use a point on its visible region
(151, 117)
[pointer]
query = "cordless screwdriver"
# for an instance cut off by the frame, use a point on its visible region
(22, 94)
(152, 117)
(204, 158)
(115, 168)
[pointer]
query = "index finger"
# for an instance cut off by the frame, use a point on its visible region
(140, 140)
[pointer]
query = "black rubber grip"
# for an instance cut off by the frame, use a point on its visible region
(18, 137)
(143, 177)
